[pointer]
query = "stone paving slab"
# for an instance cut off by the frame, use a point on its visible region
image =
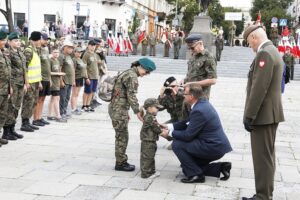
(50, 188)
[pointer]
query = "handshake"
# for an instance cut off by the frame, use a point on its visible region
(165, 132)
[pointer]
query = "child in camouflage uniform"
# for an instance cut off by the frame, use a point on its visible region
(149, 135)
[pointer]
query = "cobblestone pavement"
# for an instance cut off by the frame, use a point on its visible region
(75, 161)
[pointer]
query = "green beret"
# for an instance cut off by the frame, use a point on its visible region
(13, 35)
(147, 64)
(249, 30)
(152, 102)
(193, 38)
(3, 35)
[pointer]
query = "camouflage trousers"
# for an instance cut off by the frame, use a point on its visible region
(14, 104)
(29, 101)
(3, 109)
(120, 120)
(148, 150)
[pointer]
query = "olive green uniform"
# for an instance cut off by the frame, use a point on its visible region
(91, 60)
(55, 79)
(31, 96)
(219, 47)
(45, 64)
(149, 135)
(18, 67)
(263, 108)
(177, 45)
(152, 44)
(144, 46)
(289, 60)
(5, 83)
(135, 42)
(124, 97)
(80, 68)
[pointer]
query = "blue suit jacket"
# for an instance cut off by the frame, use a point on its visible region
(203, 131)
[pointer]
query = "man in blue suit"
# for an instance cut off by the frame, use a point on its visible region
(200, 139)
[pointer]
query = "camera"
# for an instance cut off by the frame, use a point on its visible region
(168, 91)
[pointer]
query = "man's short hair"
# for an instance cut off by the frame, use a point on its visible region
(195, 90)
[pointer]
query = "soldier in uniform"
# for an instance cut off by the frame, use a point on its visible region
(289, 61)
(263, 109)
(152, 43)
(201, 66)
(18, 84)
(124, 97)
(145, 45)
(149, 135)
(274, 36)
(219, 46)
(232, 30)
(5, 89)
(177, 45)
(135, 42)
(46, 82)
(167, 43)
(34, 77)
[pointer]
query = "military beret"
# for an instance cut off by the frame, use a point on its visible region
(152, 102)
(249, 30)
(45, 36)
(147, 64)
(35, 36)
(3, 35)
(92, 42)
(193, 38)
(169, 81)
(13, 35)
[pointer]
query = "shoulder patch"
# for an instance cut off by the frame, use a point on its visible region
(261, 63)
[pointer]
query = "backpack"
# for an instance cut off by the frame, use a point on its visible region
(106, 89)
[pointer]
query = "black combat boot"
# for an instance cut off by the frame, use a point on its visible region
(26, 126)
(3, 141)
(124, 167)
(13, 132)
(7, 134)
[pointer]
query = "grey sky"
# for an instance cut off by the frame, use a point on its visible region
(236, 3)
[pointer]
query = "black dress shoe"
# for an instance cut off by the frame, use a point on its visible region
(251, 198)
(33, 127)
(225, 170)
(26, 128)
(44, 121)
(37, 123)
(194, 179)
(126, 167)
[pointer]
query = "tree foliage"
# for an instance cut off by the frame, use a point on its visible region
(135, 22)
(269, 9)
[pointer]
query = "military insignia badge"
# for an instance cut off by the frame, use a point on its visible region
(261, 63)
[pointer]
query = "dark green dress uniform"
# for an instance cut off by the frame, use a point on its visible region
(289, 60)
(219, 47)
(152, 44)
(124, 97)
(5, 84)
(263, 112)
(177, 45)
(149, 135)
(144, 46)
(135, 42)
(200, 67)
(18, 68)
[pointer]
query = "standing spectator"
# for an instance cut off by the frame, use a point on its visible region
(219, 46)
(56, 79)
(95, 29)
(104, 31)
(25, 28)
(90, 86)
(52, 30)
(73, 30)
(46, 82)
(45, 29)
(80, 77)
(68, 80)
(263, 109)
(289, 61)
(152, 43)
(135, 42)
(120, 30)
(86, 28)
(33, 73)
(144, 44)
(177, 45)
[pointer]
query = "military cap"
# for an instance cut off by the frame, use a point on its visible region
(68, 43)
(92, 42)
(45, 36)
(147, 64)
(249, 30)
(13, 35)
(3, 35)
(35, 36)
(192, 38)
(152, 102)
(78, 49)
(97, 41)
(169, 81)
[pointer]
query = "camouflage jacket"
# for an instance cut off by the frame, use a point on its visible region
(125, 91)
(173, 105)
(18, 66)
(200, 67)
(150, 129)
(5, 73)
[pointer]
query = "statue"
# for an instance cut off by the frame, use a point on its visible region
(204, 5)
(231, 35)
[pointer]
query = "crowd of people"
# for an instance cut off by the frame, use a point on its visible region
(29, 74)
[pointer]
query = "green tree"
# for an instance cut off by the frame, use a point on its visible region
(135, 22)
(269, 9)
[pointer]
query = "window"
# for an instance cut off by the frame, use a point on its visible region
(19, 19)
(111, 23)
(49, 18)
(80, 20)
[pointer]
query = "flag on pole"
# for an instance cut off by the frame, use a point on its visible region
(258, 20)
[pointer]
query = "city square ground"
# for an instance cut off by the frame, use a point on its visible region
(75, 161)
